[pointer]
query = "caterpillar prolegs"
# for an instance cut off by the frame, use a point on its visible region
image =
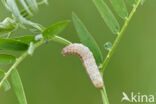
(88, 61)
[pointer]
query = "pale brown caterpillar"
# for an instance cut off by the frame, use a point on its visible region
(88, 61)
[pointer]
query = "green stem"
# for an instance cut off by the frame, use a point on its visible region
(13, 67)
(117, 40)
(120, 34)
(62, 40)
(104, 96)
(22, 57)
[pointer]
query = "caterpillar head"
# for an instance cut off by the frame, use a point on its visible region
(67, 50)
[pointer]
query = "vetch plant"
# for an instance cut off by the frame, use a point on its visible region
(110, 20)
(28, 44)
(25, 44)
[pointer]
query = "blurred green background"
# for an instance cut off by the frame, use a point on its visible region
(50, 78)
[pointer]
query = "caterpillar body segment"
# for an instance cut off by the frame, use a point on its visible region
(88, 61)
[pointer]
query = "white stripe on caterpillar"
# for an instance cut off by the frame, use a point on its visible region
(88, 60)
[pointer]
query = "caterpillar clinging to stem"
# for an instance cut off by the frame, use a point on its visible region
(88, 61)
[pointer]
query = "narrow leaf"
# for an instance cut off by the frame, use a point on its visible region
(2, 73)
(25, 13)
(18, 87)
(10, 44)
(7, 59)
(120, 8)
(33, 4)
(131, 2)
(4, 2)
(87, 39)
(107, 16)
(12, 7)
(26, 7)
(25, 39)
(6, 85)
(8, 25)
(54, 29)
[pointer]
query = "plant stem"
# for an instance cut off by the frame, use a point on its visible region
(117, 40)
(120, 34)
(104, 96)
(62, 40)
(13, 67)
(21, 58)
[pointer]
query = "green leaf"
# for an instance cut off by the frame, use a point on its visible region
(8, 25)
(120, 8)
(131, 2)
(12, 7)
(87, 39)
(26, 7)
(33, 4)
(7, 59)
(54, 29)
(2, 73)
(18, 87)
(32, 24)
(27, 15)
(6, 85)
(25, 39)
(107, 16)
(10, 44)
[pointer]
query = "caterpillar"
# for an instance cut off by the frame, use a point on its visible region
(88, 61)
